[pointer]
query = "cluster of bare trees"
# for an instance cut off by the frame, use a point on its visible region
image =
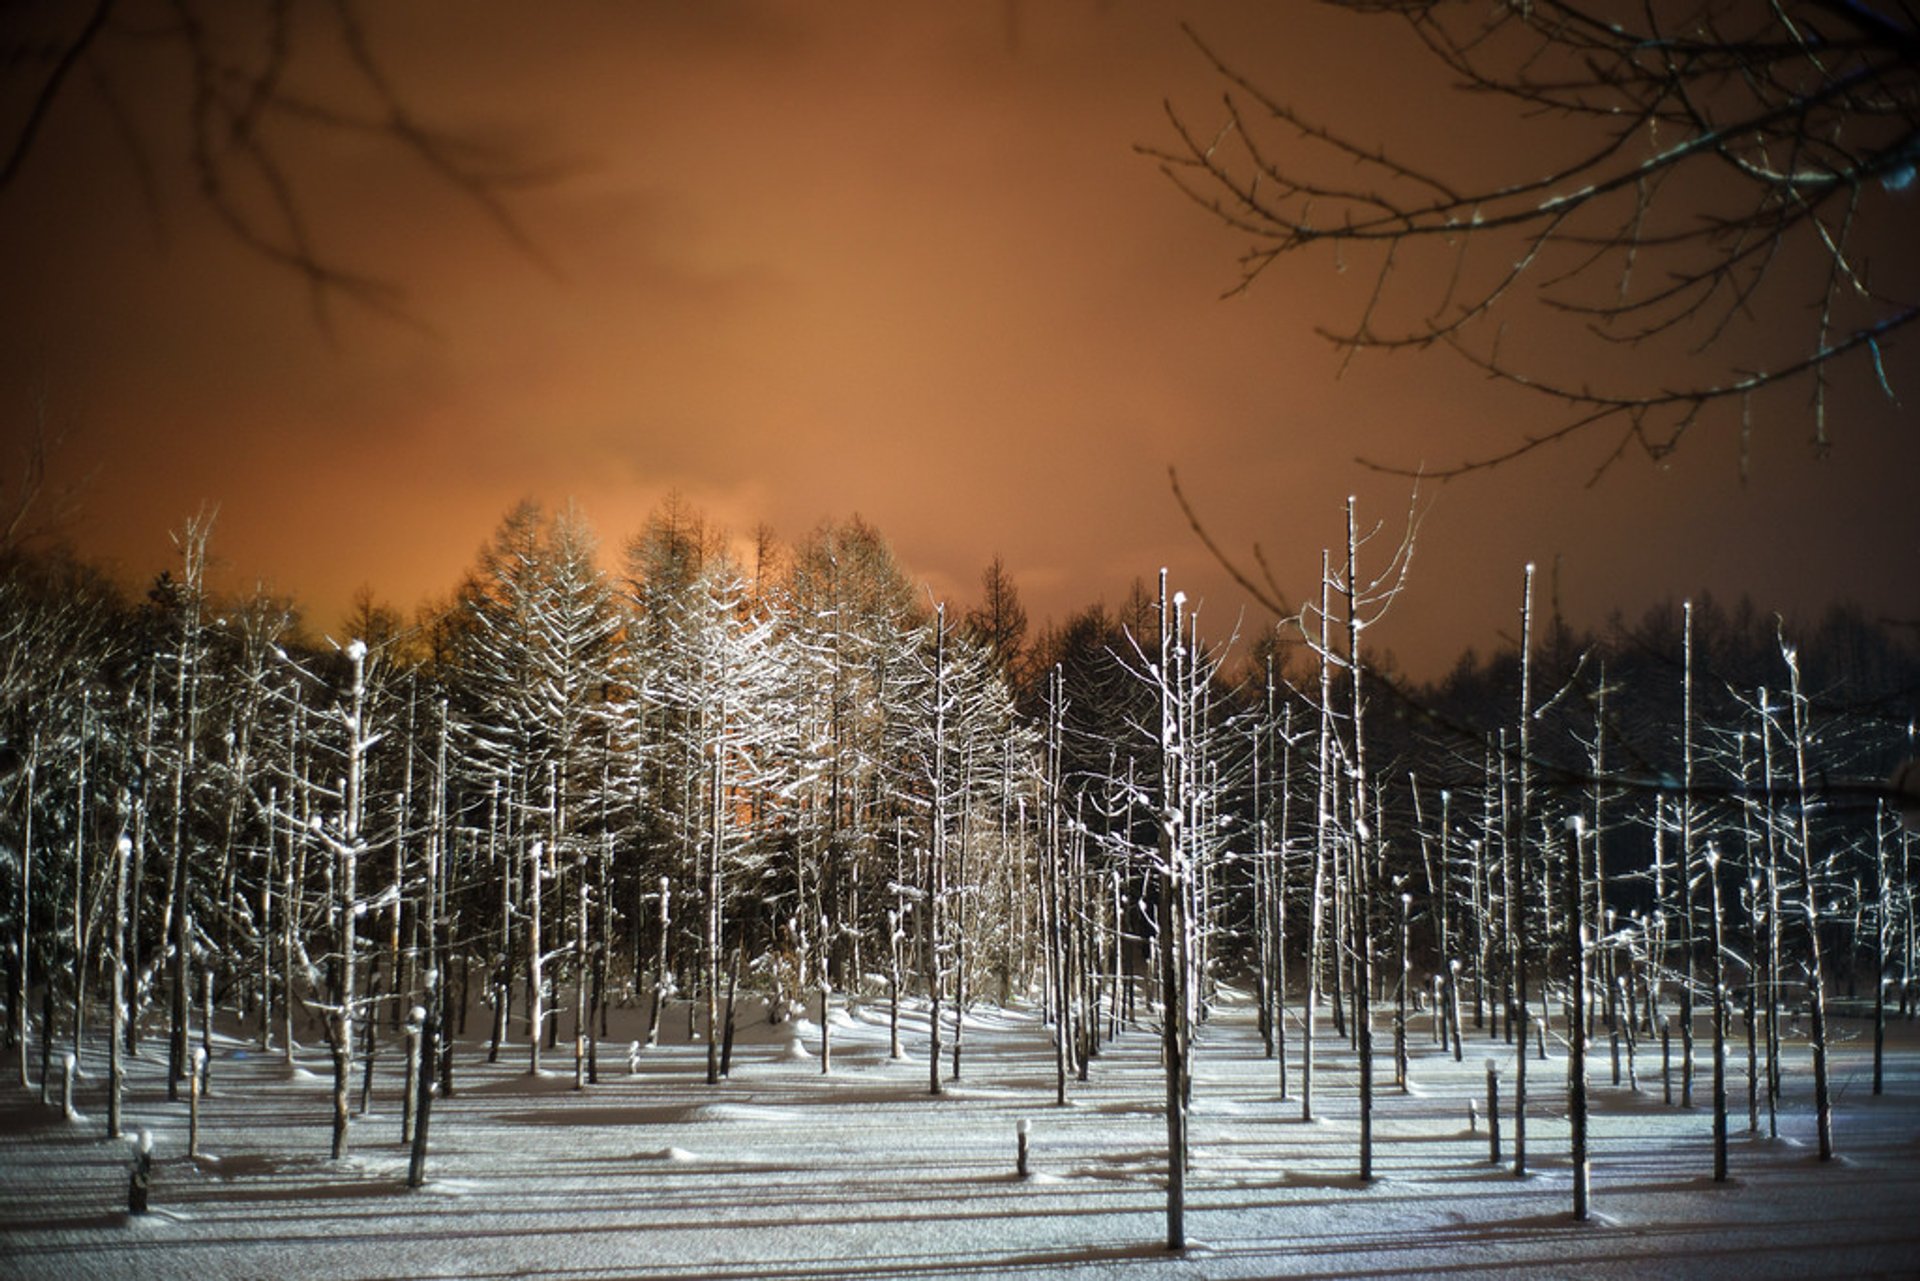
(1639, 850)
(781, 771)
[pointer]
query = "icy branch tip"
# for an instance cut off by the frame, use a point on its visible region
(356, 650)
(1023, 1126)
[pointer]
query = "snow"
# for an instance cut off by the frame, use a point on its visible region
(780, 1171)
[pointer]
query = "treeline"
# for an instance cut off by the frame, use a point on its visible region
(784, 771)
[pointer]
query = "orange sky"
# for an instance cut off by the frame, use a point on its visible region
(808, 260)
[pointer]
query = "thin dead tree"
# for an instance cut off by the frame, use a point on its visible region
(1176, 952)
(192, 541)
(1516, 844)
(1363, 601)
(1809, 889)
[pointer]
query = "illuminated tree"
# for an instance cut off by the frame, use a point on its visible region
(852, 618)
(535, 664)
(62, 633)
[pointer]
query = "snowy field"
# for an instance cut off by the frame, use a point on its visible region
(783, 1172)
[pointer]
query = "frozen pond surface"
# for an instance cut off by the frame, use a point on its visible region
(783, 1172)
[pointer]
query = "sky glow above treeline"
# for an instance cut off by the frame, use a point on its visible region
(798, 261)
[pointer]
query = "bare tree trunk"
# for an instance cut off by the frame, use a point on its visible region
(1881, 899)
(826, 1016)
(116, 1073)
(726, 1036)
(1689, 975)
(439, 952)
(292, 871)
(1051, 897)
(1173, 1003)
(536, 983)
(1516, 878)
(1400, 999)
(348, 905)
(136, 879)
(1360, 858)
(1719, 972)
(1577, 1025)
(936, 849)
(1816, 981)
(960, 953)
(1280, 901)
(715, 915)
(423, 1086)
(660, 971)
(22, 1029)
(269, 876)
(78, 1029)
(895, 936)
(582, 1013)
(1322, 853)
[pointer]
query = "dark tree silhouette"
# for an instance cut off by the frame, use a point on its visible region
(244, 84)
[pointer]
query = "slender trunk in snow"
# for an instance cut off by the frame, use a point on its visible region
(1322, 854)
(536, 983)
(936, 848)
(726, 1035)
(716, 854)
(1361, 860)
(1689, 976)
(1400, 999)
(582, 1015)
(960, 911)
(1577, 1023)
(348, 906)
(660, 972)
(1050, 892)
(1881, 898)
(80, 882)
(116, 1074)
(1516, 878)
(1280, 901)
(1173, 1003)
(1719, 973)
(1816, 982)
(429, 1045)
(23, 1030)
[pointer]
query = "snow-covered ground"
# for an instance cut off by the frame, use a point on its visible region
(783, 1172)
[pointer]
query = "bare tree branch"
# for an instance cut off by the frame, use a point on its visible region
(1725, 174)
(240, 66)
